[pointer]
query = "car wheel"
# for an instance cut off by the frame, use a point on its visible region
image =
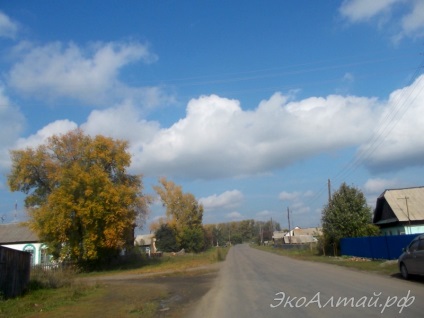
(404, 271)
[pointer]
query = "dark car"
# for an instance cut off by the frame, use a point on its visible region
(411, 262)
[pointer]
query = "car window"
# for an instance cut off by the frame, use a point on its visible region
(414, 246)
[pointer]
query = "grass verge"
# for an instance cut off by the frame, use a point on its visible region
(58, 292)
(170, 262)
(383, 267)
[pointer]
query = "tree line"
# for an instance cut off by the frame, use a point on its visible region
(84, 205)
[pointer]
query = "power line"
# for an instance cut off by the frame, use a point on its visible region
(386, 126)
(382, 131)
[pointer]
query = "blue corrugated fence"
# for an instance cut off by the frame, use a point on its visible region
(376, 247)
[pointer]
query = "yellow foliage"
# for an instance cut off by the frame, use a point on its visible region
(81, 200)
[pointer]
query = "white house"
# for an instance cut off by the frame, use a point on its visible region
(147, 242)
(20, 237)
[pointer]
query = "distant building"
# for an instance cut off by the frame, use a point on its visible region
(297, 235)
(20, 237)
(400, 211)
(147, 242)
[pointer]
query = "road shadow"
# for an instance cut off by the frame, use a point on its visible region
(412, 278)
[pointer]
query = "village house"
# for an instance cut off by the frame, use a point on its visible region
(400, 211)
(20, 237)
(146, 242)
(297, 235)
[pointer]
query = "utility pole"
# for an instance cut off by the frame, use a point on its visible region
(261, 237)
(329, 191)
(16, 211)
(407, 211)
(288, 218)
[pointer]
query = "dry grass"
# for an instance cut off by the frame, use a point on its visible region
(65, 294)
(383, 267)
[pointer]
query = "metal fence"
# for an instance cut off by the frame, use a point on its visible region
(376, 247)
(14, 272)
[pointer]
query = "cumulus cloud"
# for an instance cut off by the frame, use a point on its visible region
(40, 137)
(217, 138)
(12, 123)
(8, 28)
(89, 75)
(405, 15)
(123, 122)
(226, 200)
(397, 139)
(289, 196)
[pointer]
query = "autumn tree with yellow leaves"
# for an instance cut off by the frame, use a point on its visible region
(80, 199)
(184, 215)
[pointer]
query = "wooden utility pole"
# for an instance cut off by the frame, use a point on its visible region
(407, 211)
(329, 191)
(288, 218)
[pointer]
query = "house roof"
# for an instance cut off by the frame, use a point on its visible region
(406, 204)
(143, 240)
(278, 234)
(13, 233)
(312, 231)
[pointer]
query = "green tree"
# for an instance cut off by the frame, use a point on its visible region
(165, 239)
(184, 214)
(80, 199)
(346, 215)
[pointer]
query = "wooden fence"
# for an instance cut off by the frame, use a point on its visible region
(15, 269)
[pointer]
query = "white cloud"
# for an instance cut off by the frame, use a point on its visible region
(289, 196)
(40, 137)
(226, 200)
(89, 75)
(348, 77)
(397, 141)
(123, 122)
(8, 28)
(218, 139)
(378, 185)
(405, 16)
(12, 123)
(413, 23)
(359, 10)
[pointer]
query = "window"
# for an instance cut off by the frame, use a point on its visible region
(44, 255)
(30, 249)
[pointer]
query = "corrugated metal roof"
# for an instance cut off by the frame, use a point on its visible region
(407, 204)
(16, 233)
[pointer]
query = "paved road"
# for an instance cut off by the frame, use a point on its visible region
(252, 282)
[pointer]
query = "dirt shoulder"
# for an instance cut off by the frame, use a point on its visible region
(166, 294)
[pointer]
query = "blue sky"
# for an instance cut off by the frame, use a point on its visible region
(250, 105)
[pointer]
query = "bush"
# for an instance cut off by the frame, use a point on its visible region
(42, 278)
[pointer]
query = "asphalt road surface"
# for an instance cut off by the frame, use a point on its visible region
(254, 283)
